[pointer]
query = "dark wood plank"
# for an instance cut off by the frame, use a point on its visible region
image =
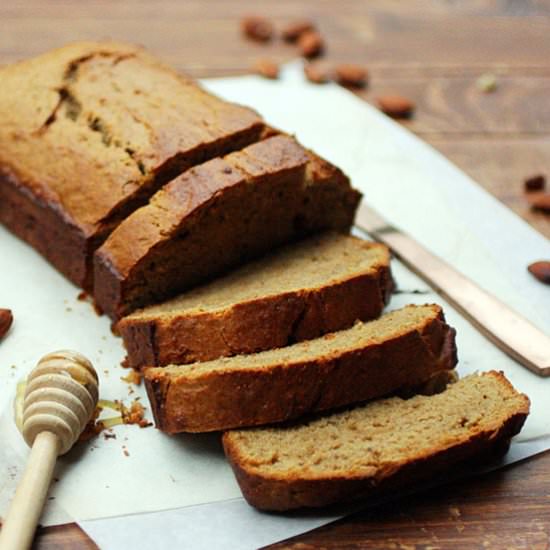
(68, 537)
(455, 106)
(384, 33)
(501, 166)
(505, 509)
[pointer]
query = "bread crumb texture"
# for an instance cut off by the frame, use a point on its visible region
(380, 436)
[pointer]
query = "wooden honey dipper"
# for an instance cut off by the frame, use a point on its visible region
(60, 399)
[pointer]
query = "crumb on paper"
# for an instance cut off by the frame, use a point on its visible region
(125, 451)
(133, 377)
(132, 414)
(135, 414)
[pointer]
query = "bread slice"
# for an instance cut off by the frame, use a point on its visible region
(302, 291)
(216, 216)
(401, 349)
(89, 131)
(386, 444)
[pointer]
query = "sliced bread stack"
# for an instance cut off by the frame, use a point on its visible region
(399, 351)
(295, 341)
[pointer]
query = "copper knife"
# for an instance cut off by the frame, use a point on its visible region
(508, 330)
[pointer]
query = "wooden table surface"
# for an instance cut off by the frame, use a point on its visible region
(431, 51)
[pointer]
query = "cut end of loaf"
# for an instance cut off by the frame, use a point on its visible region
(388, 442)
(299, 292)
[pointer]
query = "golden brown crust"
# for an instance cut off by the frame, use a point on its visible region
(87, 136)
(219, 400)
(282, 494)
(263, 323)
(197, 227)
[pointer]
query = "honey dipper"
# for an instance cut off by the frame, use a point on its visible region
(60, 398)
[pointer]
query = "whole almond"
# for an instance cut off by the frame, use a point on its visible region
(396, 106)
(541, 271)
(6, 319)
(315, 74)
(535, 183)
(351, 76)
(295, 29)
(259, 29)
(539, 200)
(311, 44)
(267, 68)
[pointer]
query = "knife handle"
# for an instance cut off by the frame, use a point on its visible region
(508, 330)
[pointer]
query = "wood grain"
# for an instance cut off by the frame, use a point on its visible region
(507, 509)
(432, 51)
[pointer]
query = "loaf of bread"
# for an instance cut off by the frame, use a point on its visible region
(399, 350)
(385, 445)
(303, 291)
(216, 216)
(88, 132)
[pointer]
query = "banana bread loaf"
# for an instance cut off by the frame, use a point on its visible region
(303, 291)
(400, 350)
(88, 132)
(385, 445)
(216, 216)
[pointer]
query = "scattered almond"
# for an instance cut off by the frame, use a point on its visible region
(311, 44)
(541, 271)
(6, 319)
(295, 29)
(351, 76)
(535, 183)
(267, 68)
(396, 106)
(258, 29)
(539, 200)
(316, 74)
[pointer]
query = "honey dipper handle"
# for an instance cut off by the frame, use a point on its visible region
(25, 510)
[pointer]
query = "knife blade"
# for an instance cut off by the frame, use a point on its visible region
(507, 329)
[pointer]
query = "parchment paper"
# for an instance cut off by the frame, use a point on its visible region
(409, 183)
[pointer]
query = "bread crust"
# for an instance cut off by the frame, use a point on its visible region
(228, 399)
(69, 170)
(272, 494)
(265, 323)
(167, 246)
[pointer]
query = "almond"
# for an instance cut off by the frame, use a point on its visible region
(311, 44)
(259, 29)
(539, 200)
(267, 68)
(351, 76)
(6, 319)
(316, 74)
(396, 106)
(535, 183)
(295, 29)
(541, 271)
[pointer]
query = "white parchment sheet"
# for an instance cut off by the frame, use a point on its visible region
(186, 476)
